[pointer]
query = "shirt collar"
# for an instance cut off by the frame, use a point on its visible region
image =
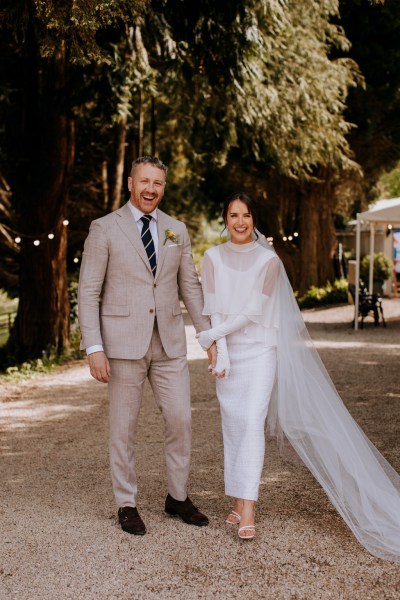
(138, 214)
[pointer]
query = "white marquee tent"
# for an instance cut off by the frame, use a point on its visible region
(384, 212)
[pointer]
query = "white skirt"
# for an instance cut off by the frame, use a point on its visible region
(244, 397)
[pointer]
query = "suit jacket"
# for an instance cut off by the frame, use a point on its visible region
(118, 297)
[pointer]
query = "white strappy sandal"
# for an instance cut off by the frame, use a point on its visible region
(247, 528)
(235, 515)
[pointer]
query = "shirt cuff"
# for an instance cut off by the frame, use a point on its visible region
(95, 348)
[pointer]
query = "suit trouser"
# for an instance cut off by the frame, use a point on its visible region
(169, 379)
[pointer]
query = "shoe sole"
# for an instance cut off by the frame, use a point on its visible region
(178, 516)
(132, 532)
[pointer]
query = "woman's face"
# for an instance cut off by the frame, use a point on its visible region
(239, 222)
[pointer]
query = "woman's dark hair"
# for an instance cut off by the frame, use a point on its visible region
(247, 200)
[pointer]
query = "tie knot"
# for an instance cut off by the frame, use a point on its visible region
(146, 218)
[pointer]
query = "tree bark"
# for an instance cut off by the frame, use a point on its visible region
(153, 127)
(307, 209)
(141, 123)
(118, 164)
(41, 158)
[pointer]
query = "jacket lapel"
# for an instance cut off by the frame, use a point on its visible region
(127, 223)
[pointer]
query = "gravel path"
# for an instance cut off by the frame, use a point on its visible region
(59, 536)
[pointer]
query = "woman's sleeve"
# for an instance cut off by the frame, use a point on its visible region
(271, 276)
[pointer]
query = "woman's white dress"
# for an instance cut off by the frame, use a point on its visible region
(244, 398)
(304, 408)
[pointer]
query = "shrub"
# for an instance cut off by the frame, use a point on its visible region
(336, 293)
(383, 267)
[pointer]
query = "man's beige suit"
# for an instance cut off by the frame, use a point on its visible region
(138, 320)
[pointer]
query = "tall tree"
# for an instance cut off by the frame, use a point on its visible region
(45, 47)
(373, 29)
(265, 108)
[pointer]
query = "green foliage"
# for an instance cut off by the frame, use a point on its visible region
(389, 183)
(259, 77)
(383, 267)
(10, 371)
(200, 246)
(373, 29)
(323, 296)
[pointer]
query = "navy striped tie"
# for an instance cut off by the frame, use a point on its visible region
(148, 243)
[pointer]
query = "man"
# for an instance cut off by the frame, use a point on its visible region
(134, 262)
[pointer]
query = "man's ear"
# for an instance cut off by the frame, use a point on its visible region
(130, 183)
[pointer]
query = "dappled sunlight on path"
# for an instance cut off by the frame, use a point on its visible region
(59, 533)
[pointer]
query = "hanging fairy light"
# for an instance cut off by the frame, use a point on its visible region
(35, 239)
(295, 234)
(290, 238)
(284, 238)
(76, 260)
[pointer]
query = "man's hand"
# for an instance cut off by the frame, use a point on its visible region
(212, 355)
(99, 367)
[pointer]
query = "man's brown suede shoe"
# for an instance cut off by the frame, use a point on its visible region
(130, 520)
(186, 510)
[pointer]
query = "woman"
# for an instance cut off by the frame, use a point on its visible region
(268, 364)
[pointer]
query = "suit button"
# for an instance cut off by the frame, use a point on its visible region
(155, 285)
(151, 310)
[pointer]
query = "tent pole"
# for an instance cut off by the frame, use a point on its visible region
(357, 282)
(371, 257)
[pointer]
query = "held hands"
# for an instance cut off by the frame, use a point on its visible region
(99, 367)
(212, 356)
(221, 369)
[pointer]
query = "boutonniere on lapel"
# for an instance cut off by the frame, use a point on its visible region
(171, 236)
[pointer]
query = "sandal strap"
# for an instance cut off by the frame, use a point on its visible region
(247, 527)
(235, 514)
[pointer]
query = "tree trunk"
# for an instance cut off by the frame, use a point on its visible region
(307, 209)
(317, 232)
(141, 123)
(153, 127)
(118, 164)
(41, 157)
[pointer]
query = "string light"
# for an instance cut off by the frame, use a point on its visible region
(36, 239)
(289, 238)
(76, 260)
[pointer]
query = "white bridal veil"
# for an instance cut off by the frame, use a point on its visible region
(306, 409)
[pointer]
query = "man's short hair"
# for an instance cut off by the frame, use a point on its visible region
(149, 160)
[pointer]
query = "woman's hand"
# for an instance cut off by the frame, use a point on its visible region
(221, 370)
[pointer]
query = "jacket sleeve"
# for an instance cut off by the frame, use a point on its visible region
(91, 278)
(190, 288)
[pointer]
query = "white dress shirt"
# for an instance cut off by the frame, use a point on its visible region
(137, 215)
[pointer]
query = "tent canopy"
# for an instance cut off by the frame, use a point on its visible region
(383, 211)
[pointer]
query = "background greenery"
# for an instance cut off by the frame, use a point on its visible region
(294, 102)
